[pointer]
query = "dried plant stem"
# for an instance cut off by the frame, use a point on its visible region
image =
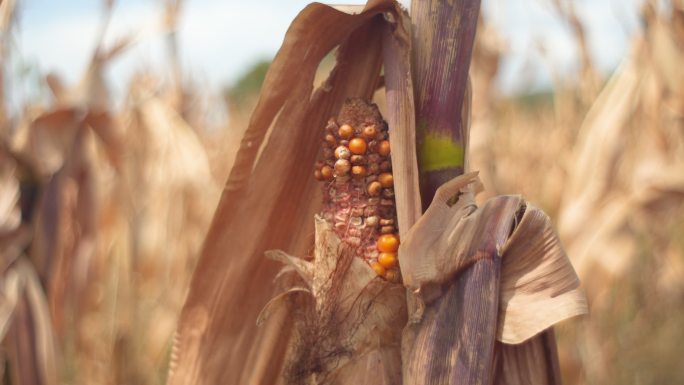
(443, 35)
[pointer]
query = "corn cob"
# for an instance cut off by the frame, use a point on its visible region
(358, 188)
(352, 334)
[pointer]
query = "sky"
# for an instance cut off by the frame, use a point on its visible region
(220, 39)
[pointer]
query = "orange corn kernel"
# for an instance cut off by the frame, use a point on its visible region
(370, 132)
(388, 243)
(358, 171)
(384, 148)
(346, 131)
(358, 146)
(386, 180)
(378, 269)
(374, 188)
(326, 172)
(387, 260)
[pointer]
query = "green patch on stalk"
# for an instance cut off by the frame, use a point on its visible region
(439, 152)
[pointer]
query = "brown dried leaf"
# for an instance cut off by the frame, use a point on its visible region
(538, 285)
(357, 316)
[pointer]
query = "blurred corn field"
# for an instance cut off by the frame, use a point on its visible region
(105, 204)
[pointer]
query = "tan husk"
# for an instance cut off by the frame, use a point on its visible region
(538, 285)
(356, 319)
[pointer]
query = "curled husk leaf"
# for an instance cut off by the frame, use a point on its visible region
(539, 286)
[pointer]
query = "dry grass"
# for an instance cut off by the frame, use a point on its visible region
(125, 196)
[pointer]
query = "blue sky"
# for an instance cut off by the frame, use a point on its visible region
(220, 39)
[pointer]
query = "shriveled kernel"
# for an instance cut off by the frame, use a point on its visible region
(370, 132)
(342, 167)
(318, 175)
(356, 212)
(346, 131)
(388, 243)
(342, 152)
(374, 188)
(370, 210)
(358, 146)
(384, 148)
(326, 172)
(392, 276)
(372, 221)
(328, 154)
(374, 158)
(373, 146)
(379, 270)
(373, 201)
(373, 168)
(356, 221)
(330, 140)
(385, 166)
(358, 159)
(358, 171)
(386, 180)
(388, 193)
(387, 260)
(386, 229)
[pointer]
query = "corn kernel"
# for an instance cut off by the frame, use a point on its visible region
(358, 146)
(388, 243)
(370, 132)
(387, 260)
(358, 171)
(374, 188)
(384, 148)
(346, 131)
(386, 180)
(378, 269)
(326, 172)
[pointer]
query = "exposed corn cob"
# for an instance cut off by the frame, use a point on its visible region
(358, 192)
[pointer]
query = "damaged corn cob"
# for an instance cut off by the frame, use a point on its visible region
(352, 332)
(358, 189)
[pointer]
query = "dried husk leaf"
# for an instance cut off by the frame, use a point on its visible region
(356, 321)
(539, 286)
(401, 119)
(528, 363)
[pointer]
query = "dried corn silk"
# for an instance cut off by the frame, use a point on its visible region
(359, 309)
